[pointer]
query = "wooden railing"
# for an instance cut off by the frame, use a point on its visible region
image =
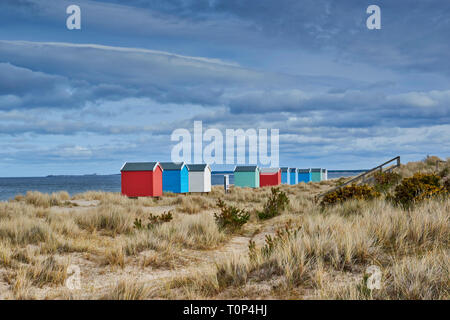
(365, 176)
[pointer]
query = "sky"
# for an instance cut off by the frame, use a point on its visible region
(342, 96)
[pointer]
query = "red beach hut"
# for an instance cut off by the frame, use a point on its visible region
(141, 179)
(269, 177)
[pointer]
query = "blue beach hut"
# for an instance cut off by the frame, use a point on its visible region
(285, 177)
(293, 177)
(175, 177)
(304, 175)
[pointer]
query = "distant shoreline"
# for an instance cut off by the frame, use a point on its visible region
(118, 174)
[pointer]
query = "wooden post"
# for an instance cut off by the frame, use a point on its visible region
(226, 182)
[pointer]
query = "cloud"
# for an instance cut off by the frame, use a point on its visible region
(341, 95)
(321, 25)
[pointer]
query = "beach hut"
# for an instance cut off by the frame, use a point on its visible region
(324, 174)
(285, 176)
(246, 176)
(293, 176)
(304, 175)
(175, 177)
(269, 177)
(199, 178)
(141, 179)
(316, 174)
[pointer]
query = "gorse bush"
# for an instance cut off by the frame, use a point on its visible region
(385, 180)
(230, 217)
(277, 202)
(361, 192)
(417, 188)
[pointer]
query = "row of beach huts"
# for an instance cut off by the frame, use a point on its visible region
(151, 179)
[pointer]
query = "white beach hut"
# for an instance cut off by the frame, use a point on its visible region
(199, 178)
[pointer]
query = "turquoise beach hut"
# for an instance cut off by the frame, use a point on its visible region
(285, 177)
(293, 176)
(175, 177)
(246, 176)
(316, 174)
(304, 175)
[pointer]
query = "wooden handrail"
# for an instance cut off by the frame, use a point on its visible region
(364, 174)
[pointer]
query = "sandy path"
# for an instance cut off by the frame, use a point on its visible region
(97, 281)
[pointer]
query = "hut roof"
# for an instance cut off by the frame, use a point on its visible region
(269, 170)
(172, 165)
(139, 166)
(284, 169)
(245, 168)
(198, 167)
(316, 169)
(293, 169)
(304, 170)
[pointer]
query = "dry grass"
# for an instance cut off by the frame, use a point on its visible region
(24, 230)
(106, 217)
(198, 285)
(196, 232)
(128, 290)
(318, 252)
(194, 204)
(425, 166)
(47, 271)
(44, 200)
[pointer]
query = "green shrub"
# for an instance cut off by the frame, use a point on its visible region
(277, 202)
(361, 192)
(282, 235)
(417, 188)
(230, 217)
(153, 220)
(385, 180)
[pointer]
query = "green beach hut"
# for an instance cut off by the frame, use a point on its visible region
(316, 174)
(246, 176)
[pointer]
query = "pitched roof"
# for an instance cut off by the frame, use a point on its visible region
(304, 170)
(284, 169)
(316, 169)
(269, 170)
(139, 166)
(245, 168)
(172, 165)
(293, 169)
(198, 167)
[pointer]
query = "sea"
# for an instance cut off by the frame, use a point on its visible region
(10, 187)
